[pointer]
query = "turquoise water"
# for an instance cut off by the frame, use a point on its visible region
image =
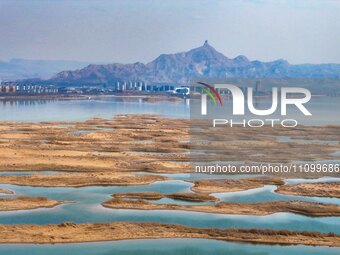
(267, 194)
(165, 247)
(200, 176)
(322, 179)
(87, 208)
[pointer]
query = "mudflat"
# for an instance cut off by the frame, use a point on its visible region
(263, 208)
(231, 185)
(184, 196)
(26, 203)
(319, 189)
(150, 143)
(81, 179)
(107, 231)
(6, 191)
(111, 152)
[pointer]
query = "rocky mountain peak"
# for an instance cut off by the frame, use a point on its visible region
(203, 61)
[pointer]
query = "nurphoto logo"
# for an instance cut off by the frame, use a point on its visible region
(301, 97)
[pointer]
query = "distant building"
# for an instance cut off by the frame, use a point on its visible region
(5, 89)
(258, 86)
(182, 91)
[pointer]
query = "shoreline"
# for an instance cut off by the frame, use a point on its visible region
(113, 149)
(209, 186)
(108, 152)
(69, 232)
(319, 189)
(146, 97)
(6, 191)
(182, 196)
(85, 179)
(28, 203)
(148, 143)
(42, 97)
(232, 208)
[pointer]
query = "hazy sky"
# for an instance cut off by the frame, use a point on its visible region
(126, 31)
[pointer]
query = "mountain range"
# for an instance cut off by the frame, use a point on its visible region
(201, 62)
(43, 69)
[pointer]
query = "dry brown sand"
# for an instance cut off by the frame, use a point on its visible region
(81, 179)
(90, 232)
(6, 191)
(263, 208)
(123, 144)
(231, 185)
(150, 143)
(319, 189)
(26, 203)
(262, 145)
(110, 151)
(185, 196)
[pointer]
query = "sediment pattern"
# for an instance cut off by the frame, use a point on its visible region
(110, 152)
(263, 208)
(88, 232)
(320, 189)
(26, 203)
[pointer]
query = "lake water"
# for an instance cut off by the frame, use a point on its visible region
(87, 200)
(267, 193)
(80, 110)
(165, 247)
(324, 109)
(87, 208)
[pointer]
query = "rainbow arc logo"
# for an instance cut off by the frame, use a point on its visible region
(211, 91)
